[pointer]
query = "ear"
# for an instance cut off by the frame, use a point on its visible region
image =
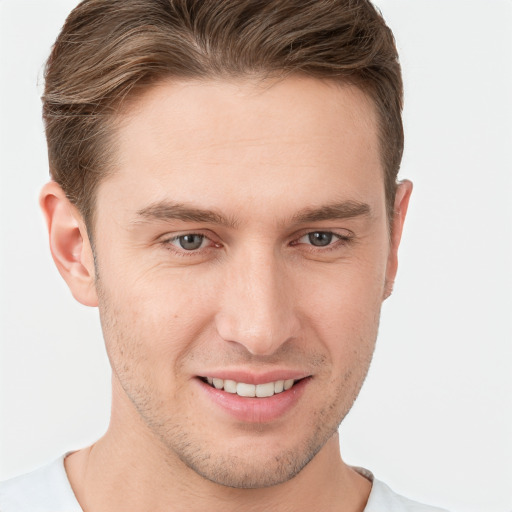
(69, 243)
(402, 196)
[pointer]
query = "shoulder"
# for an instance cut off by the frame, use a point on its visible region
(384, 499)
(46, 489)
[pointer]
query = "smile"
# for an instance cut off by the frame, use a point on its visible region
(243, 389)
(261, 400)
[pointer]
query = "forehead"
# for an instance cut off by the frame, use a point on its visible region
(227, 143)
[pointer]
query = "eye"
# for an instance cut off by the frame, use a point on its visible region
(319, 238)
(189, 242)
(320, 242)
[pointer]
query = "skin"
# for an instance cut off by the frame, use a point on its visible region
(256, 296)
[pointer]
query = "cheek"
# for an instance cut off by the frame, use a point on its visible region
(342, 306)
(151, 325)
(345, 294)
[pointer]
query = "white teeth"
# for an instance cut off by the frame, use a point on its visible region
(264, 390)
(251, 390)
(288, 384)
(230, 386)
(243, 389)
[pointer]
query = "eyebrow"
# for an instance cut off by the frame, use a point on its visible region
(341, 210)
(168, 211)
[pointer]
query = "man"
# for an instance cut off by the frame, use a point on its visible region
(224, 191)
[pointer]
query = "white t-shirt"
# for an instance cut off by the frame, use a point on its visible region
(48, 490)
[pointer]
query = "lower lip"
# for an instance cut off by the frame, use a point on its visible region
(256, 410)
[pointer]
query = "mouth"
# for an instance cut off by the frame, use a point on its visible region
(261, 400)
(244, 389)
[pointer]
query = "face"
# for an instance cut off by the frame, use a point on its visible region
(242, 247)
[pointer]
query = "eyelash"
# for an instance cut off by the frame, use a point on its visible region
(167, 243)
(338, 240)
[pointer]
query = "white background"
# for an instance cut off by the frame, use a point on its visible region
(434, 419)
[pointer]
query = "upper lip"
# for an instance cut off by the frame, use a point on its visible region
(255, 377)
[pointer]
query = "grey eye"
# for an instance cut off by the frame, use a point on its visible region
(320, 238)
(191, 242)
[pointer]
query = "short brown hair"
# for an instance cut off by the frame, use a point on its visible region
(109, 50)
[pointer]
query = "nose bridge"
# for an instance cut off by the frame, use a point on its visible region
(255, 310)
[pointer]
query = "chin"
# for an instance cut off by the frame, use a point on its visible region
(251, 473)
(252, 464)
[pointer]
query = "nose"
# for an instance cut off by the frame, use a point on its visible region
(257, 304)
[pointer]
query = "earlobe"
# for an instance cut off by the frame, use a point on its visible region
(69, 243)
(402, 196)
